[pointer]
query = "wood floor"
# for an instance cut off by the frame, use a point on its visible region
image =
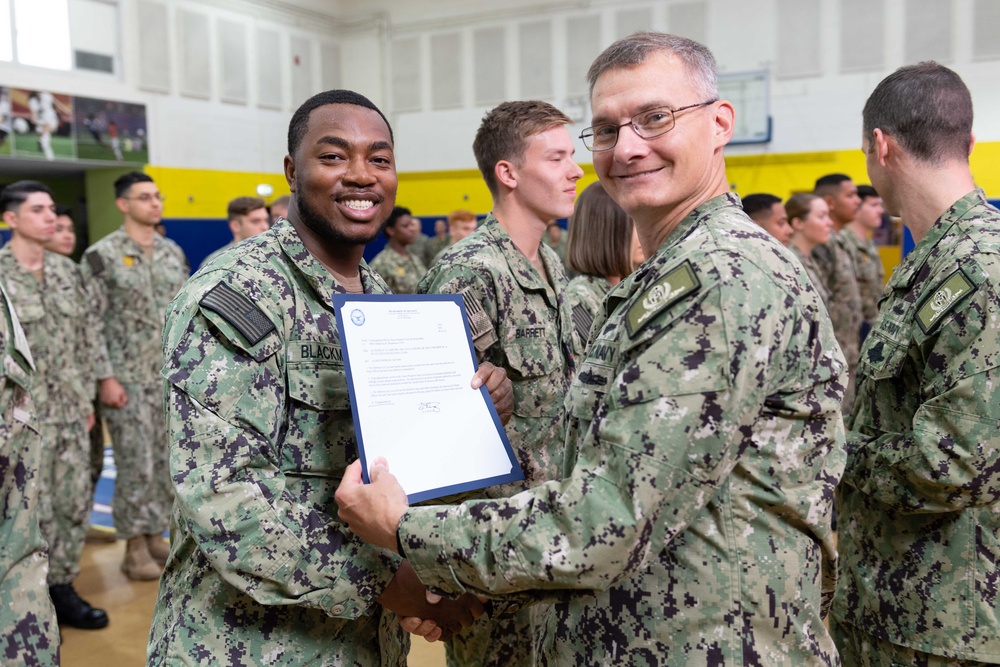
(130, 607)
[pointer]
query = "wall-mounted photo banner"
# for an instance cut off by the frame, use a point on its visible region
(52, 126)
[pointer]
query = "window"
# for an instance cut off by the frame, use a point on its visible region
(65, 35)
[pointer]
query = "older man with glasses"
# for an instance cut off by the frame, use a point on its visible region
(133, 273)
(704, 436)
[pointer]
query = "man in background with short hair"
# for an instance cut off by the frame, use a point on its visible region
(857, 238)
(47, 292)
(132, 274)
(769, 212)
(247, 217)
(513, 286)
(279, 208)
(919, 503)
(837, 270)
(461, 223)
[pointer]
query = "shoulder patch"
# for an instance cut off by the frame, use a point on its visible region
(483, 335)
(239, 311)
(943, 299)
(582, 321)
(96, 263)
(667, 290)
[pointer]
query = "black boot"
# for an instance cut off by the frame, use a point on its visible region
(74, 611)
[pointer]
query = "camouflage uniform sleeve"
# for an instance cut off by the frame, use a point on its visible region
(227, 413)
(95, 275)
(657, 451)
(950, 459)
(88, 345)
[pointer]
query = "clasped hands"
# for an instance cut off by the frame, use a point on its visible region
(373, 512)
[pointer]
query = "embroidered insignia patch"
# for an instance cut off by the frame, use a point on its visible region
(943, 300)
(96, 263)
(582, 321)
(239, 311)
(667, 290)
(480, 326)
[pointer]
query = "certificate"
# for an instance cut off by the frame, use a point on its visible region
(410, 362)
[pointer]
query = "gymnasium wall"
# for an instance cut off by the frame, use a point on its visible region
(221, 78)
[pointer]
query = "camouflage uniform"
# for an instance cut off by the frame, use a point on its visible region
(131, 294)
(521, 324)
(59, 326)
(584, 296)
(261, 571)
(29, 634)
(400, 272)
(704, 442)
(919, 503)
(835, 267)
(814, 274)
(869, 273)
(432, 248)
(205, 262)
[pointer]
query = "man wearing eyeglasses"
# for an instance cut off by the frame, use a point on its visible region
(704, 435)
(133, 274)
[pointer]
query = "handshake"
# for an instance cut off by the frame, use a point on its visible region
(424, 614)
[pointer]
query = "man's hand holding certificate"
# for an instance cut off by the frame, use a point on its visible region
(409, 361)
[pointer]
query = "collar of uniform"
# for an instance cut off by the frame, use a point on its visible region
(638, 280)
(12, 270)
(906, 272)
(131, 246)
(524, 273)
(321, 280)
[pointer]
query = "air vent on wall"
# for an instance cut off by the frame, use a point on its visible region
(95, 62)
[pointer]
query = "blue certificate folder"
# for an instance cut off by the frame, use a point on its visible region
(352, 311)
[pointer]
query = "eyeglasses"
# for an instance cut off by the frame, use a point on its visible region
(647, 124)
(146, 198)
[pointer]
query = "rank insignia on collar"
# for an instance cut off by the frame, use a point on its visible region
(128, 260)
(667, 290)
(943, 299)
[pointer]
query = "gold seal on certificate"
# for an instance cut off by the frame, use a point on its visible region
(410, 361)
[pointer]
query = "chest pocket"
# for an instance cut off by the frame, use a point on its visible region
(29, 306)
(319, 438)
(130, 283)
(536, 376)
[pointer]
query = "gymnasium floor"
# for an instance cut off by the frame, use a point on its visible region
(130, 603)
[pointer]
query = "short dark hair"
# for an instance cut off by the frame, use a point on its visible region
(62, 209)
(300, 119)
(504, 132)
(126, 181)
(925, 107)
(599, 242)
(243, 205)
(866, 191)
(829, 184)
(760, 202)
(395, 214)
(17, 193)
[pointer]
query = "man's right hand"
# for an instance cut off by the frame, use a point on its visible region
(407, 598)
(111, 393)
